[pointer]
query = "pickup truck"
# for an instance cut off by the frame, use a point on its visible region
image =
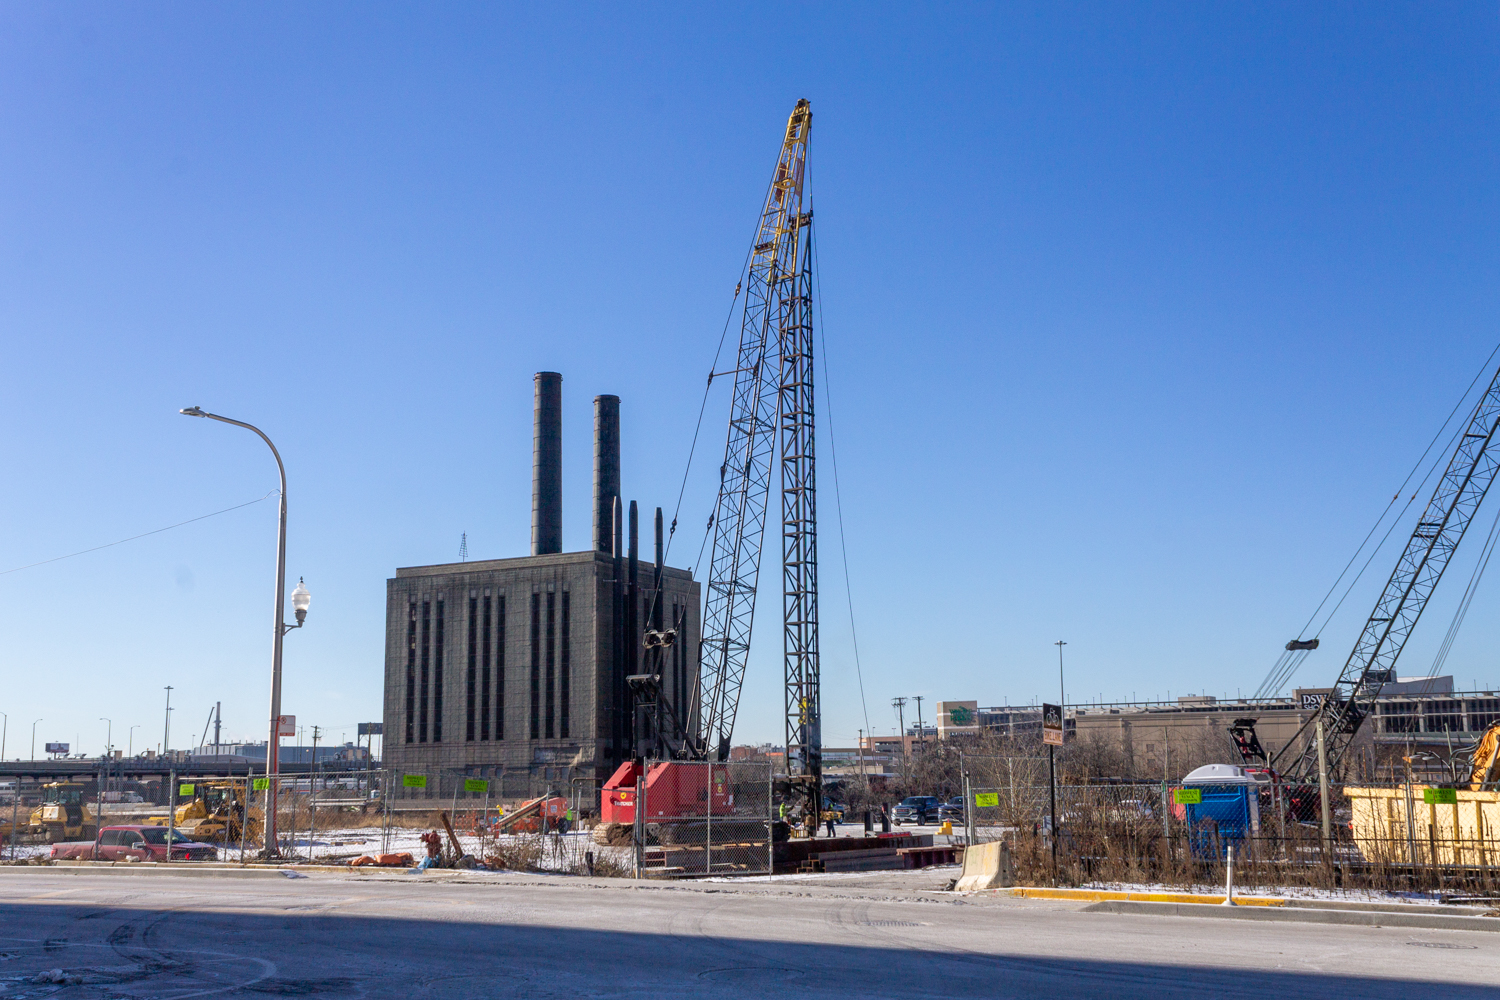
(133, 843)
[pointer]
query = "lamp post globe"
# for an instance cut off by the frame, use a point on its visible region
(301, 599)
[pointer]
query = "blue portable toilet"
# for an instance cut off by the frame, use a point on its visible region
(1228, 807)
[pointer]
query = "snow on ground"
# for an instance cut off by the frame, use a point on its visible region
(1278, 892)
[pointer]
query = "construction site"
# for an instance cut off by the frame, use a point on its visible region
(572, 780)
(575, 711)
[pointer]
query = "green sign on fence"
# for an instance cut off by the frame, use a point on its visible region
(986, 800)
(476, 785)
(1187, 796)
(1440, 796)
(414, 781)
(260, 784)
(185, 789)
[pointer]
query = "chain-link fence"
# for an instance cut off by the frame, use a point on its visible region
(1389, 837)
(702, 818)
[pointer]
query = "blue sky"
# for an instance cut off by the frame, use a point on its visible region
(1136, 317)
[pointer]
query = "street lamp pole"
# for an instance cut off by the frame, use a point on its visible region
(4, 731)
(1062, 688)
(166, 726)
(109, 729)
(33, 739)
(130, 741)
(300, 603)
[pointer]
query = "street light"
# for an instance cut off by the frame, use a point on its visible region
(279, 629)
(33, 739)
(4, 731)
(130, 741)
(108, 732)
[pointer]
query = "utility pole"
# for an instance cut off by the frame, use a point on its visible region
(218, 718)
(166, 729)
(921, 733)
(899, 704)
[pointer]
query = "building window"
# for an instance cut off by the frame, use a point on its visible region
(484, 672)
(411, 673)
(551, 664)
(567, 663)
(499, 667)
(536, 666)
(471, 681)
(426, 658)
(437, 679)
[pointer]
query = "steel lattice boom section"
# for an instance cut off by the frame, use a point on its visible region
(745, 477)
(1470, 472)
(799, 525)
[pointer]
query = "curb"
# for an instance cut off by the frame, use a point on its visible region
(171, 871)
(1298, 914)
(1107, 895)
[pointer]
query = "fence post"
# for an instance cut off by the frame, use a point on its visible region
(969, 835)
(1323, 791)
(770, 821)
(171, 812)
(639, 833)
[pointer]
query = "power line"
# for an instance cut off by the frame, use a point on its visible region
(143, 534)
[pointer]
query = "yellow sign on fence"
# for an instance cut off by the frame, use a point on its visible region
(476, 785)
(260, 784)
(414, 781)
(986, 800)
(1187, 796)
(185, 789)
(1440, 796)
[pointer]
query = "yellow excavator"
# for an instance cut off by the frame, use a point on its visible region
(215, 814)
(1482, 763)
(63, 814)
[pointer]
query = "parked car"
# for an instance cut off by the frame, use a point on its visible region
(952, 810)
(918, 809)
(139, 843)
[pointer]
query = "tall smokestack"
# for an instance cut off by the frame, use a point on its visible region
(546, 465)
(606, 468)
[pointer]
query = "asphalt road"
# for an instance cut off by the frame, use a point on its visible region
(448, 935)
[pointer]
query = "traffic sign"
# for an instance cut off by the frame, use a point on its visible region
(286, 725)
(1052, 725)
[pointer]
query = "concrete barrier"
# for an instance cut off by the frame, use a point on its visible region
(986, 866)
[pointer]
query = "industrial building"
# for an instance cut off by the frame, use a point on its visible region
(514, 670)
(1423, 713)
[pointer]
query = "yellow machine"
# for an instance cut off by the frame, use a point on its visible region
(1483, 762)
(214, 814)
(63, 814)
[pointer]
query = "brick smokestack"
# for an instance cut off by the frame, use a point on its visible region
(546, 465)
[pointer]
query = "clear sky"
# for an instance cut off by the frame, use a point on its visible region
(1136, 317)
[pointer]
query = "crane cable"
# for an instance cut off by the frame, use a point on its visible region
(1463, 605)
(838, 501)
(693, 448)
(1289, 661)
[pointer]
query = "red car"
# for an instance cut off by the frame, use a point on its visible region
(141, 843)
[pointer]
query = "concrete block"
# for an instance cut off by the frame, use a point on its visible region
(986, 866)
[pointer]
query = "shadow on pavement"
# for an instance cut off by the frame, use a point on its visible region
(106, 952)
